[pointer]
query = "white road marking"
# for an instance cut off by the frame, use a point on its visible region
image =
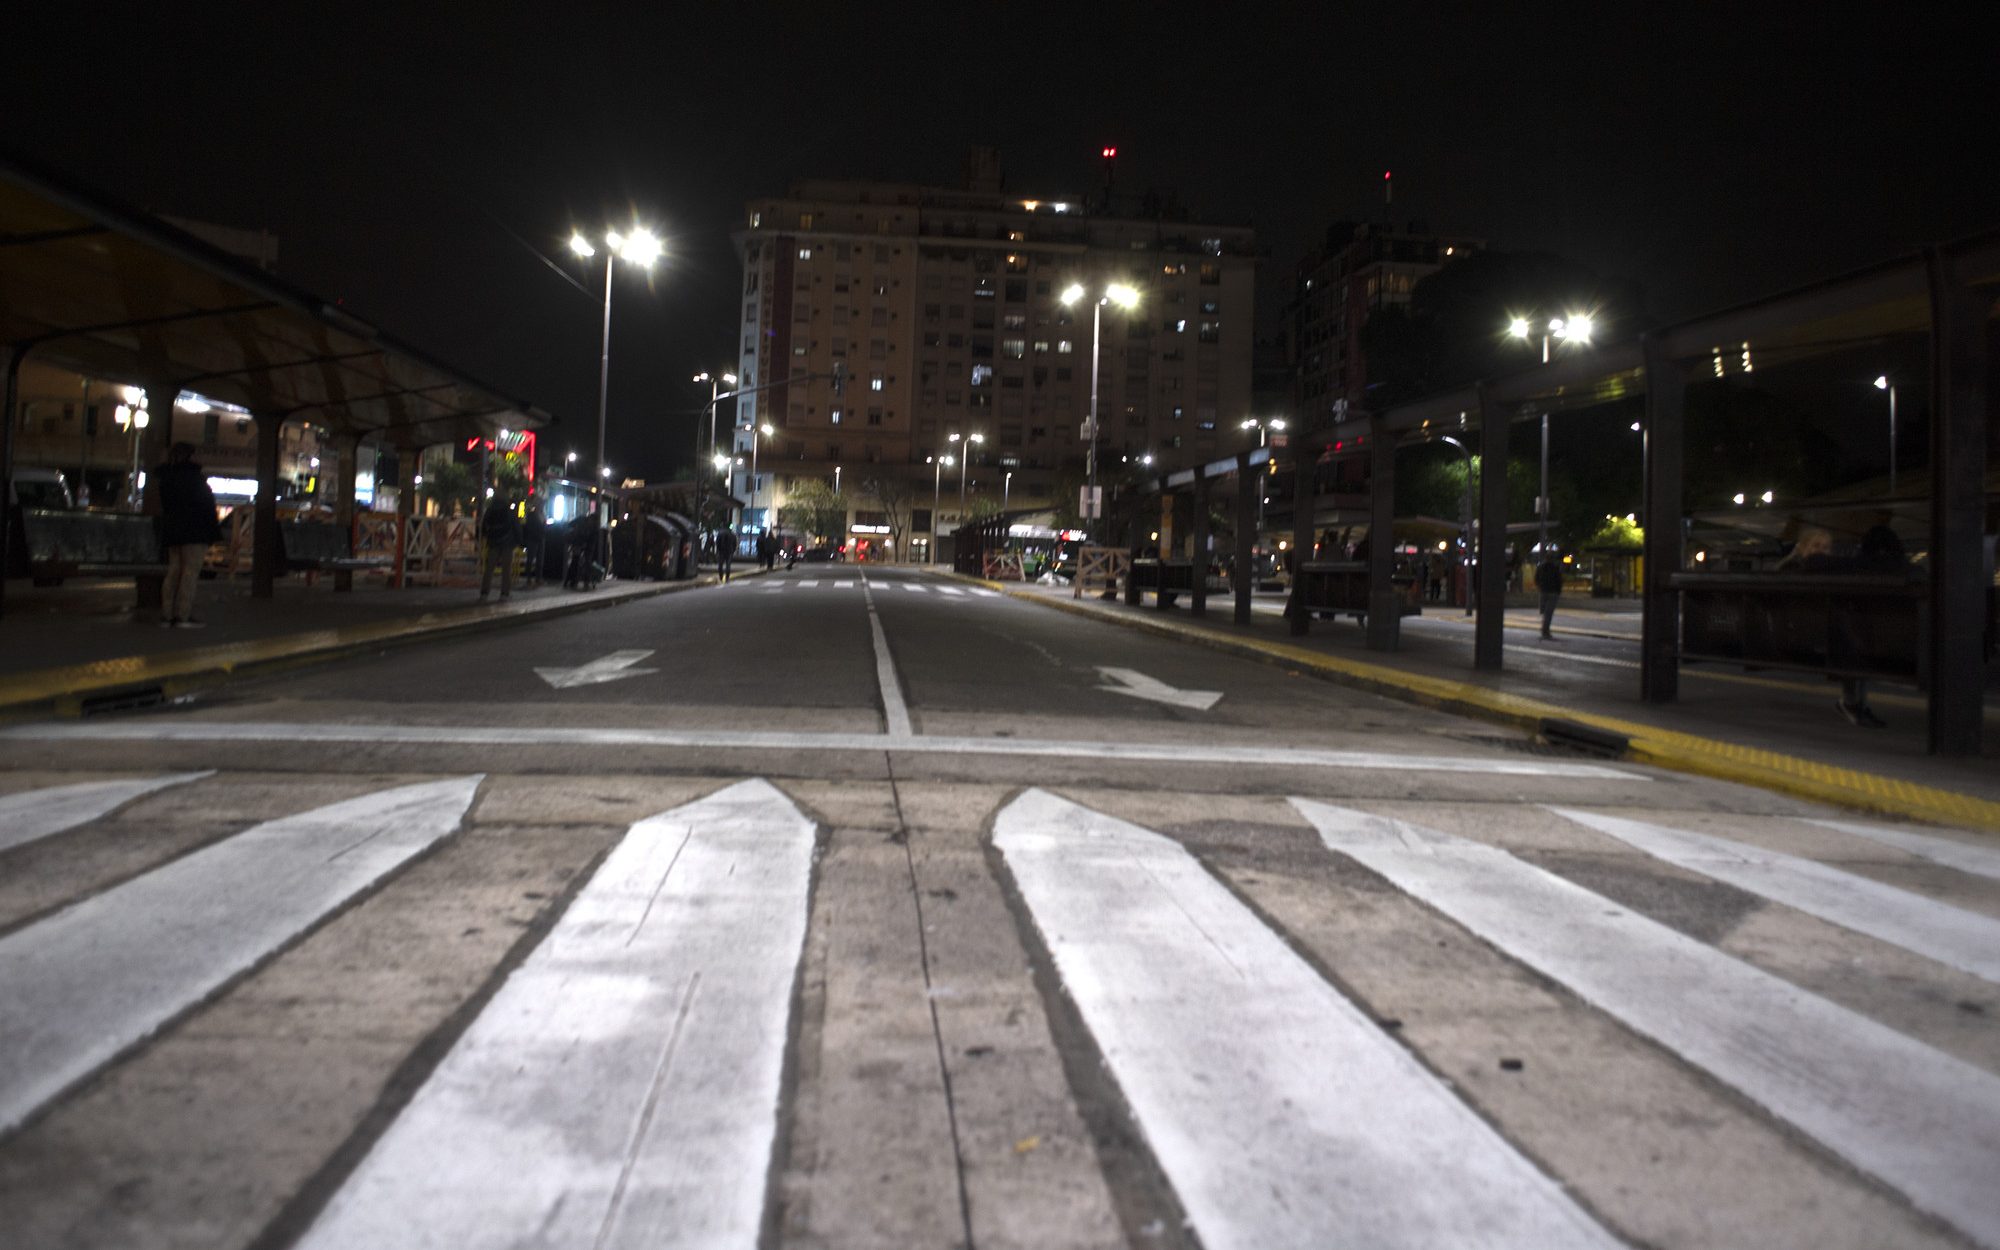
(895, 712)
(622, 1087)
(613, 667)
(1131, 682)
(1979, 860)
(33, 814)
(1281, 1113)
(950, 590)
(1961, 939)
(915, 588)
(983, 593)
(91, 980)
(809, 581)
(756, 740)
(1924, 1122)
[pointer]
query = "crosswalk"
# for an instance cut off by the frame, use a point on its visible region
(624, 1082)
(884, 585)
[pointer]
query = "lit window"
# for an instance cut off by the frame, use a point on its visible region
(875, 381)
(1013, 349)
(1041, 347)
(836, 414)
(1064, 345)
(805, 253)
(756, 220)
(982, 375)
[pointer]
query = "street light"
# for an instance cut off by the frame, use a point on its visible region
(701, 480)
(1883, 383)
(1260, 425)
(641, 247)
(1575, 328)
(937, 484)
(132, 415)
(962, 460)
(1464, 520)
(1127, 298)
(767, 431)
(1006, 489)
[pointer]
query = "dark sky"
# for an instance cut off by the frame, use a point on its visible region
(409, 155)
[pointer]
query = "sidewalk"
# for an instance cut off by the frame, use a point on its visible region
(1779, 731)
(82, 647)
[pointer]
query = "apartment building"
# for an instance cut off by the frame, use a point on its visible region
(944, 309)
(1363, 267)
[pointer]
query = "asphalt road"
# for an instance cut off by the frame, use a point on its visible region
(857, 907)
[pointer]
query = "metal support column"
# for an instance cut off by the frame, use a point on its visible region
(1305, 465)
(1491, 594)
(10, 403)
(348, 475)
(1961, 383)
(408, 457)
(1385, 612)
(1249, 489)
(264, 549)
(1198, 597)
(1659, 607)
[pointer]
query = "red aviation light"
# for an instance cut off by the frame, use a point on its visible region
(1108, 153)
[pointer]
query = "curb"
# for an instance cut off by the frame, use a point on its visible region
(1648, 744)
(67, 692)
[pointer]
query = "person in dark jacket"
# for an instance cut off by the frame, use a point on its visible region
(725, 551)
(535, 530)
(502, 531)
(187, 527)
(1549, 585)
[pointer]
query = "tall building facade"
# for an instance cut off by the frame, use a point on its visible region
(944, 309)
(1362, 267)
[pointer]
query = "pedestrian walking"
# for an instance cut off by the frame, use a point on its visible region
(767, 549)
(534, 535)
(725, 550)
(501, 530)
(582, 557)
(187, 526)
(1549, 584)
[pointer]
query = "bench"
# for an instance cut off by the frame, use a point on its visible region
(90, 544)
(1340, 588)
(1165, 578)
(1848, 625)
(322, 546)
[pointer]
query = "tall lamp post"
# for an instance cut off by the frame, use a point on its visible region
(641, 247)
(1464, 520)
(963, 458)
(1261, 425)
(1575, 328)
(1127, 298)
(1883, 383)
(767, 430)
(715, 384)
(937, 485)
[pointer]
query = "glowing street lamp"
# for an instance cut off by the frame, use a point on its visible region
(1882, 383)
(1575, 328)
(640, 247)
(937, 481)
(767, 430)
(1125, 297)
(715, 385)
(962, 461)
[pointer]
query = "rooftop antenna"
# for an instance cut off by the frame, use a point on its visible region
(1109, 154)
(1388, 193)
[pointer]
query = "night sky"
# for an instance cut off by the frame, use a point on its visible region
(412, 162)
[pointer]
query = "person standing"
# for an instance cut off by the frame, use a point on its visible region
(1549, 583)
(187, 527)
(535, 533)
(767, 549)
(502, 532)
(725, 550)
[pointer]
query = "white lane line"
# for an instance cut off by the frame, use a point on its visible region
(1978, 860)
(983, 593)
(809, 581)
(89, 981)
(895, 713)
(1961, 939)
(508, 736)
(950, 590)
(1924, 1122)
(622, 1087)
(1281, 1113)
(33, 814)
(915, 588)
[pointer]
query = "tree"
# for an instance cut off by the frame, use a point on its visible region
(983, 507)
(892, 496)
(453, 487)
(1617, 533)
(814, 509)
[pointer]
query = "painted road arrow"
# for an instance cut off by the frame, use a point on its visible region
(612, 667)
(1140, 686)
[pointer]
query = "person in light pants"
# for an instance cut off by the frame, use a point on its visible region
(187, 527)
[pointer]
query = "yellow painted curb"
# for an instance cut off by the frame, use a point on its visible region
(1661, 748)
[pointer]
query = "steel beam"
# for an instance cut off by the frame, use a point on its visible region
(1659, 611)
(1490, 624)
(1249, 488)
(1961, 387)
